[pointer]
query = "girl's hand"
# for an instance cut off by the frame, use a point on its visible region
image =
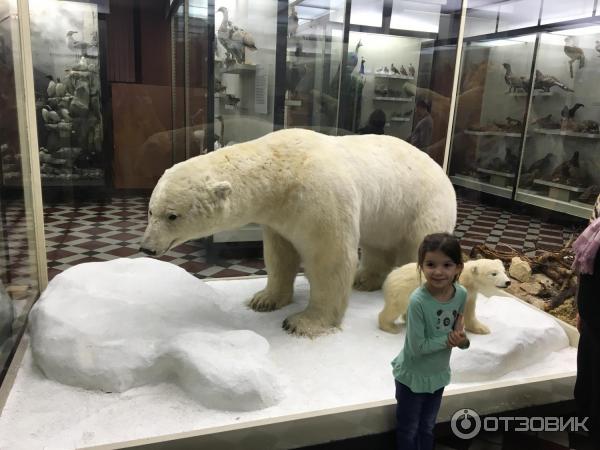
(455, 338)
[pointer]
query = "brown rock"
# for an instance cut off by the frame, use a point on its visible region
(533, 288)
(520, 270)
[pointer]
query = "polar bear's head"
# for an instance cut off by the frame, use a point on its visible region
(184, 206)
(485, 274)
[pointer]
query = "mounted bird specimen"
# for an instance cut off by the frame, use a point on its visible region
(292, 22)
(362, 66)
(411, 70)
(231, 100)
(403, 71)
(51, 89)
(352, 61)
(569, 113)
(293, 76)
(547, 122)
(568, 172)
(395, 70)
(574, 53)
(514, 82)
(541, 165)
(545, 82)
(79, 47)
(235, 39)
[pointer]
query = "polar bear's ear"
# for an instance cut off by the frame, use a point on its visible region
(222, 189)
(474, 270)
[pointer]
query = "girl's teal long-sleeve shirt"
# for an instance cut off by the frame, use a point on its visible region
(424, 363)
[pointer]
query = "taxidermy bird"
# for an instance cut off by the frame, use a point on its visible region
(219, 86)
(232, 100)
(547, 122)
(545, 82)
(235, 39)
(568, 172)
(362, 66)
(395, 70)
(76, 46)
(512, 81)
(293, 75)
(51, 89)
(541, 165)
(61, 89)
(292, 22)
(353, 57)
(403, 71)
(411, 70)
(574, 53)
(569, 113)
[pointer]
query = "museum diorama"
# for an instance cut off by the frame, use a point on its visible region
(335, 135)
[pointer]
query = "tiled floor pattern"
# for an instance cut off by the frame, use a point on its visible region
(99, 232)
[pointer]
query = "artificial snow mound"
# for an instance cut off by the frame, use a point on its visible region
(129, 322)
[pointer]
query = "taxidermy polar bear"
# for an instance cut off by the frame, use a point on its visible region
(318, 199)
(479, 275)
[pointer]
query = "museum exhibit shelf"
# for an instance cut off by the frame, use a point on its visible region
(573, 208)
(493, 133)
(567, 133)
(241, 69)
(394, 99)
(393, 76)
(474, 183)
(338, 386)
(535, 94)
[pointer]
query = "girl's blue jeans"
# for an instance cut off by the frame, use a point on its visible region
(416, 414)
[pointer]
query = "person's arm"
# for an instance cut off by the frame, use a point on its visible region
(415, 333)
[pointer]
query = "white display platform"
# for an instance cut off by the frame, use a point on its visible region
(337, 386)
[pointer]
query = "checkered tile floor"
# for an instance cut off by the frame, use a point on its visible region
(100, 232)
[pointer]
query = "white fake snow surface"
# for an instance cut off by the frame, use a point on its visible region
(349, 367)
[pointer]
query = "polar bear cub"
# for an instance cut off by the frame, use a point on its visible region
(479, 275)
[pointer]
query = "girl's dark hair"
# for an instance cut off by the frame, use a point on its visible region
(447, 243)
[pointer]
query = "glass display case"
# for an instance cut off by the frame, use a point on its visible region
(19, 281)
(560, 167)
(67, 68)
(526, 121)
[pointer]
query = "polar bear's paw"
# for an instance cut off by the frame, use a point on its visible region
(365, 280)
(390, 327)
(477, 328)
(307, 323)
(264, 301)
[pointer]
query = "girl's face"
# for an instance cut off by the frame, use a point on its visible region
(439, 270)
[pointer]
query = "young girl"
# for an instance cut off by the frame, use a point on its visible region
(434, 325)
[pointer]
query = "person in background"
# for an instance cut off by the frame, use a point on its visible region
(376, 123)
(421, 134)
(435, 325)
(587, 385)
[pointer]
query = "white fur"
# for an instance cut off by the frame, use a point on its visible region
(318, 198)
(480, 275)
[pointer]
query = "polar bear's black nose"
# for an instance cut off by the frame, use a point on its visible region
(147, 251)
(507, 283)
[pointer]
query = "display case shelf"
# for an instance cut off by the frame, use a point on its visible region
(567, 133)
(394, 99)
(493, 133)
(535, 94)
(474, 183)
(241, 69)
(400, 119)
(574, 208)
(397, 77)
(290, 102)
